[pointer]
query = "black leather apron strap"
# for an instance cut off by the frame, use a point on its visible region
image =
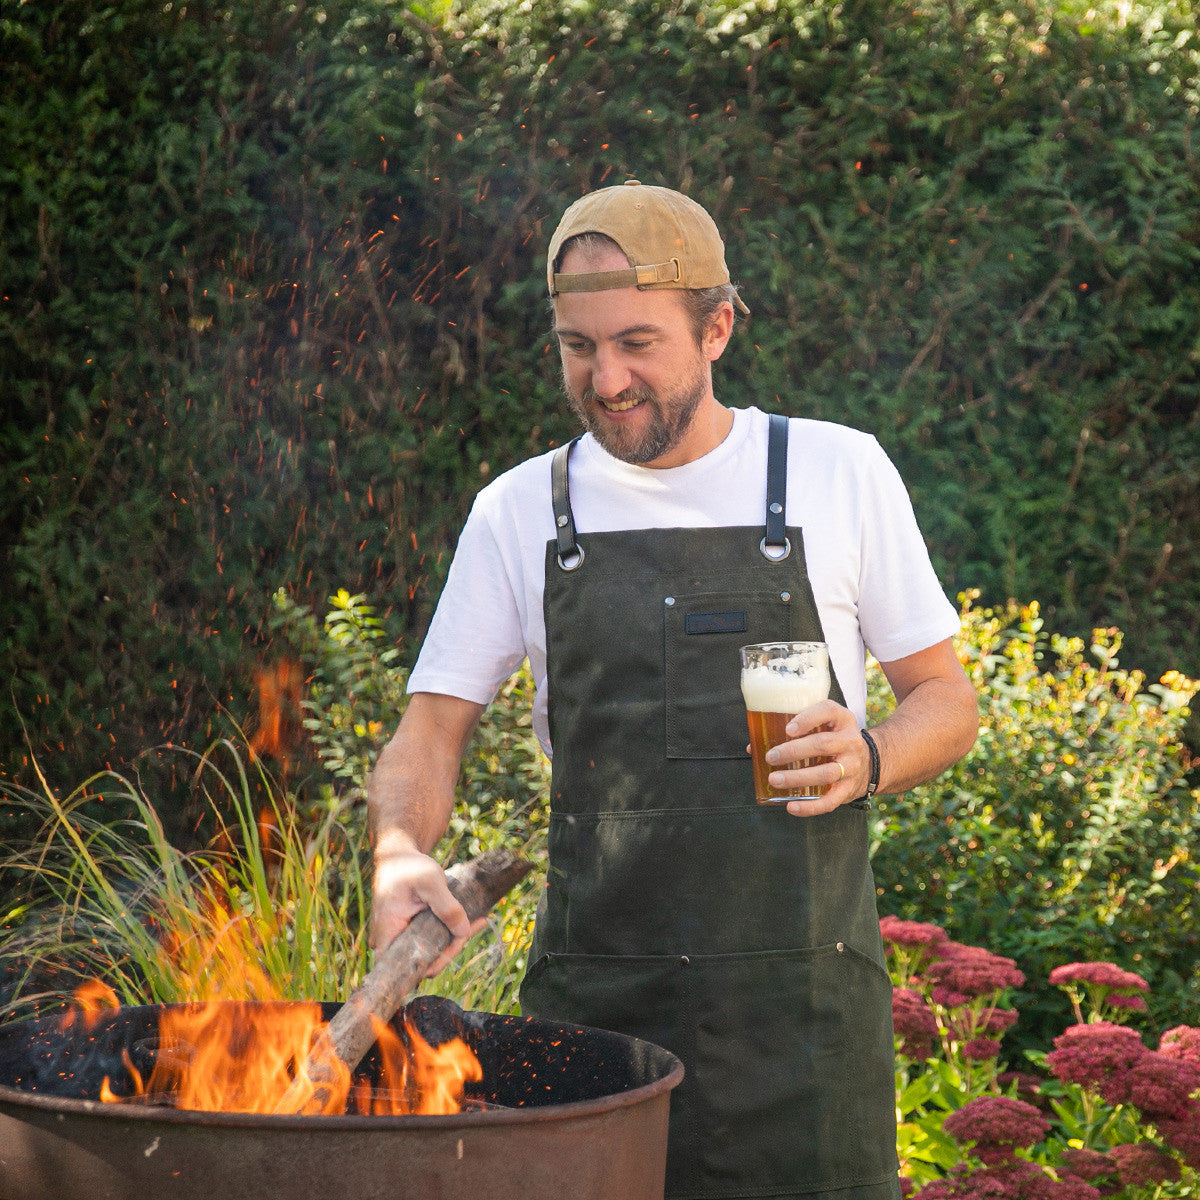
(570, 552)
(775, 544)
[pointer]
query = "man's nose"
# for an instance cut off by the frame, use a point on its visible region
(610, 376)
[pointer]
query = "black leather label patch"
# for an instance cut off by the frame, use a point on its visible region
(732, 621)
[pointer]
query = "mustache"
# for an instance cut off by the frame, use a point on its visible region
(590, 396)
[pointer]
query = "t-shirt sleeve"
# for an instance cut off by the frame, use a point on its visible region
(902, 607)
(475, 641)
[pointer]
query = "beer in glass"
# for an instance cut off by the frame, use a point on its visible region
(778, 680)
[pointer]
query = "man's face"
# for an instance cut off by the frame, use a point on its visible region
(632, 370)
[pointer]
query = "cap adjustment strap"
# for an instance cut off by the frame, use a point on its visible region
(604, 281)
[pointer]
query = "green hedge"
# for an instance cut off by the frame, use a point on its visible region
(271, 304)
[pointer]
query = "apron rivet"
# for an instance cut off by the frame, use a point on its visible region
(785, 596)
(669, 601)
(684, 961)
(777, 507)
(562, 521)
(840, 947)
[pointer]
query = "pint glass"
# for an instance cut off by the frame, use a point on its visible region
(778, 680)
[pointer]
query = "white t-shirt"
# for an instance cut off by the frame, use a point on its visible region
(871, 577)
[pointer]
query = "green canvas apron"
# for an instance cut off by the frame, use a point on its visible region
(677, 910)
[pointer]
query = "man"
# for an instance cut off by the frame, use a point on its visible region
(629, 567)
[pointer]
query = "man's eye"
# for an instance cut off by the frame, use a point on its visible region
(637, 345)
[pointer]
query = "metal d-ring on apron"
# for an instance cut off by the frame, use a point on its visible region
(677, 910)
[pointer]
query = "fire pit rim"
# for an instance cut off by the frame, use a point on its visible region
(348, 1121)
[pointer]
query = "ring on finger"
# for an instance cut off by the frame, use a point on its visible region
(841, 771)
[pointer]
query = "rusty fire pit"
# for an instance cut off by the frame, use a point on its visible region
(561, 1111)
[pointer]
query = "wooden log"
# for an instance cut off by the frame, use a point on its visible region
(477, 885)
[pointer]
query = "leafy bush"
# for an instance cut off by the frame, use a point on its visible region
(1069, 830)
(355, 685)
(356, 698)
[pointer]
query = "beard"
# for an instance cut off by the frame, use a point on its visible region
(668, 418)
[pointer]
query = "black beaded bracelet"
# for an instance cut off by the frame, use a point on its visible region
(873, 782)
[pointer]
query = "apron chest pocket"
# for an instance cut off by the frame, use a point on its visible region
(702, 633)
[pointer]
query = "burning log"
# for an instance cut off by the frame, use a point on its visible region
(477, 885)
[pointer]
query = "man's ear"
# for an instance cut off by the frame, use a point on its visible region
(718, 333)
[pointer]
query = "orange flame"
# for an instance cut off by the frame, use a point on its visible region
(92, 997)
(247, 1054)
(244, 1056)
(238, 1056)
(280, 716)
(108, 1096)
(418, 1079)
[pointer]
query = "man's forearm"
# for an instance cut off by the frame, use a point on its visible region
(405, 815)
(930, 730)
(410, 797)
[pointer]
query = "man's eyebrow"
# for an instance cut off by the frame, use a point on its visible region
(631, 331)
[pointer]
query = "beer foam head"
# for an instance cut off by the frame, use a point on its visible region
(776, 688)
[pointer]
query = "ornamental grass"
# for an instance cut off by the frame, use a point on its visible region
(274, 905)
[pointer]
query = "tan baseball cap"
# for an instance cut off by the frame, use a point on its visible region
(668, 238)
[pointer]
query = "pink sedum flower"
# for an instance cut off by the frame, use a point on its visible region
(999, 1020)
(1181, 1042)
(980, 1049)
(1099, 1056)
(1099, 974)
(1160, 1086)
(914, 1023)
(949, 997)
(966, 973)
(1071, 1188)
(1183, 1135)
(1014, 1179)
(1145, 1163)
(997, 1125)
(911, 945)
(1086, 1164)
(911, 934)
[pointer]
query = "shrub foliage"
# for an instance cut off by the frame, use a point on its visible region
(271, 304)
(1069, 831)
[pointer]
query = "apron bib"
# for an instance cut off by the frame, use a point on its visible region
(677, 910)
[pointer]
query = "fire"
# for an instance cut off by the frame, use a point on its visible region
(92, 998)
(421, 1079)
(247, 1056)
(108, 1096)
(240, 1047)
(280, 714)
(238, 1056)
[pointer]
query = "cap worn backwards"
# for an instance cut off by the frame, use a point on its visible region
(669, 240)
